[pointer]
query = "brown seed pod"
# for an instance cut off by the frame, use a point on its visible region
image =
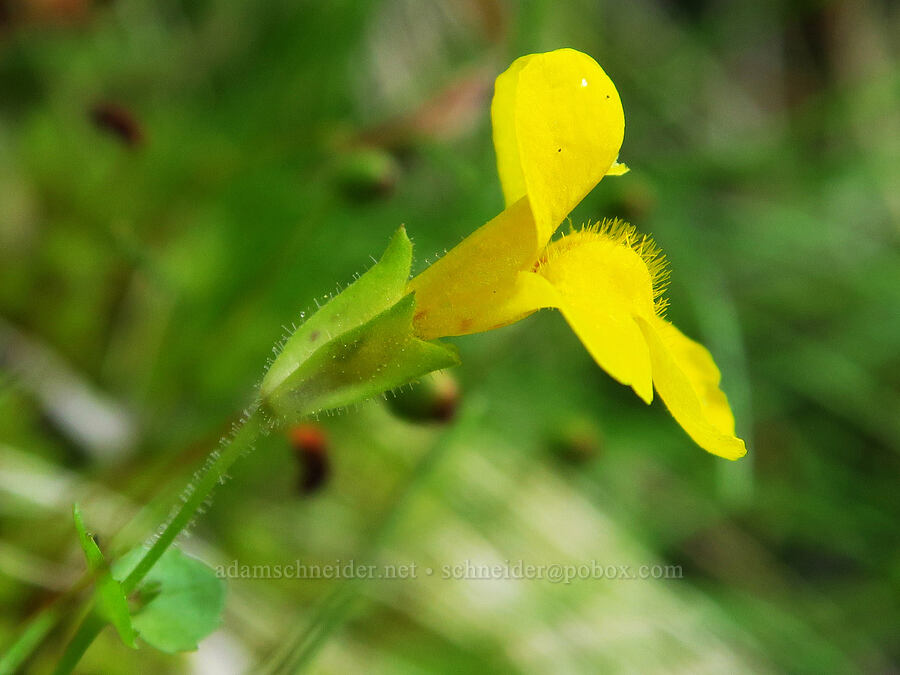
(310, 444)
(118, 121)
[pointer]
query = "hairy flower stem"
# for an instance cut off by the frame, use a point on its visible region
(195, 495)
(197, 492)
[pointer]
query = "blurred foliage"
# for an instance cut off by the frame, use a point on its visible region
(178, 180)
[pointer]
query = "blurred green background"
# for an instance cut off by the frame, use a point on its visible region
(178, 180)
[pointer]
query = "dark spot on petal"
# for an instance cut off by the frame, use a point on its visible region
(314, 336)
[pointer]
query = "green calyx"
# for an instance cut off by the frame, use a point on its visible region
(360, 344)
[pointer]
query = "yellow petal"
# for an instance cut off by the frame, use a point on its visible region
(558, 126)
(506, 144)
(618, 169)
(476, 286)
(602, 285)
(687, 380)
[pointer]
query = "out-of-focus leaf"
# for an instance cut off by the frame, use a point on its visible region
(182, 600)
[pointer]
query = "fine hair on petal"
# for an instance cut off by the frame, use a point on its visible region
(622, 233)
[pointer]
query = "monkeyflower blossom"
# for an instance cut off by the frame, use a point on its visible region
(558, 125)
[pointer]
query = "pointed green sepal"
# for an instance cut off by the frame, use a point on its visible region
(377, 356)
(360, 344)
(110, 599)
(375, 291)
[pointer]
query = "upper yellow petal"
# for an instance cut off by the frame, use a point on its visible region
(506, 142)
(558, 126)
(687, 380)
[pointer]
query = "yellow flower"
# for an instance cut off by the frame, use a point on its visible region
(558, 126)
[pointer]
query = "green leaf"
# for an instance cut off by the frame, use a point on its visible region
(182, 600)
(377, 356)
(375, 291)
(111, 602)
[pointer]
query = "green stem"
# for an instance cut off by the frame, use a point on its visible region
(88, 630)
(30, 638)
(197, 492)
(39, 626)
(193, 498)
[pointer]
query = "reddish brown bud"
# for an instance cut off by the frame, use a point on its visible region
(310, 444)
(118, 121)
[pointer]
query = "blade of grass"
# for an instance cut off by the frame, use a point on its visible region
(297, 653)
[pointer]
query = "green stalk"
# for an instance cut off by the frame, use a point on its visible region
(193, 498)
(34, 633)
(39, 626)
(85, 635)
(197, 492)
